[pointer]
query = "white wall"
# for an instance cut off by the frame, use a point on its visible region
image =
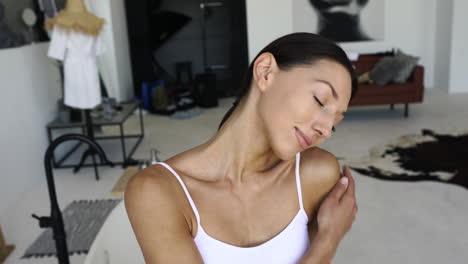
(266, 21)
(443, 45)
(114, 64)
(122, 50)
(30, 86)
(409, 25)
(459, 56)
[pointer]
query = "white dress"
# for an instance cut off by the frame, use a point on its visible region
(78, 51)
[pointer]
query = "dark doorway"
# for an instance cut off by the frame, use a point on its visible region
(211, 36)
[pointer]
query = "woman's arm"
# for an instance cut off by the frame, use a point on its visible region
(160, 226)
(321, 251)
(336, 209)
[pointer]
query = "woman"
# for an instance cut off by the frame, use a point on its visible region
(251, 193)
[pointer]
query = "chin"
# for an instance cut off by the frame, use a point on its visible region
(285, 151)
(287, 155)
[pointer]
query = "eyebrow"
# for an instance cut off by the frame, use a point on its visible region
(335, 95)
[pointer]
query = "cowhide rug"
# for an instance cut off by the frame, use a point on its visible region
(427, 157)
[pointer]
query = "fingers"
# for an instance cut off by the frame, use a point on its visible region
(340, 188)
(352, 186)
(350, 194)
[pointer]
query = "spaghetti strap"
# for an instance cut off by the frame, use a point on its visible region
(187, 193)
(298, 180)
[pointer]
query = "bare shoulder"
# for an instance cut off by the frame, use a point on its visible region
(156, 211)
(152, 182)
(156, 189)
(320, 171)
(153, 192)
(323, 164)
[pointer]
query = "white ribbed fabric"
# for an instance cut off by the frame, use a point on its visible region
(286, 247)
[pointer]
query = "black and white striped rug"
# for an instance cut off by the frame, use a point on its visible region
(83, 219)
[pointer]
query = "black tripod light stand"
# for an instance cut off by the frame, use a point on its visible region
(55, 219)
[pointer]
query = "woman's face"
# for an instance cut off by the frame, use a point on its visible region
(306, 100)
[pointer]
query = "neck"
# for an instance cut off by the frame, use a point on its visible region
(240, 150)
(75, 6)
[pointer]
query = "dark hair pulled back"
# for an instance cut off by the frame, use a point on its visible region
(294, 50)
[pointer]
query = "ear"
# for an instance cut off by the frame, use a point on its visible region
(264, 70)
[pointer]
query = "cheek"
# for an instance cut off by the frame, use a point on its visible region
(280, 112)
(303, 108)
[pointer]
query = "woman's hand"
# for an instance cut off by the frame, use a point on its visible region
(338, 210)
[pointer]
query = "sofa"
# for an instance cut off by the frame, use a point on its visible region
(412, 91)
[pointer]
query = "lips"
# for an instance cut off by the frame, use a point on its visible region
(305, 140)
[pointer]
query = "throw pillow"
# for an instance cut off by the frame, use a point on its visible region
(384, 71)
(407, 63)
(393, 68)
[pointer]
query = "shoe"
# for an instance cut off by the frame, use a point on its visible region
(185, 103)
(169, 110)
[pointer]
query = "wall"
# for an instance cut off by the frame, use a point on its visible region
(114, 64)
(443, 45)
(30, 90)
(409, 25)
(459, 56)
(266, 21)
(121, 50)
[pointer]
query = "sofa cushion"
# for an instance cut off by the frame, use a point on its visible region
(384, 71)
(393, 68)
(408, 63)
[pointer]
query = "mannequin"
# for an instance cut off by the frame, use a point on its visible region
(76, 40)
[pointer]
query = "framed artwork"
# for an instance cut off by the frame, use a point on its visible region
(344, 21)
(22, 21)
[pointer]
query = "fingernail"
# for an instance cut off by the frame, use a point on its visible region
(344, 180)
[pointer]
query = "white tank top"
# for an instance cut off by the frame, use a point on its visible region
(286, 247)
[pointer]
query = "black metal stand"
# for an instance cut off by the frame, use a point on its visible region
(55, 220)
(90, 151)
(119, 120)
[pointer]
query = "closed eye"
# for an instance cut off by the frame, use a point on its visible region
(318, 101)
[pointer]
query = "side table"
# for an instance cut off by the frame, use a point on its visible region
(117, 120)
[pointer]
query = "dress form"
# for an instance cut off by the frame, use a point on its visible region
(76, 41)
